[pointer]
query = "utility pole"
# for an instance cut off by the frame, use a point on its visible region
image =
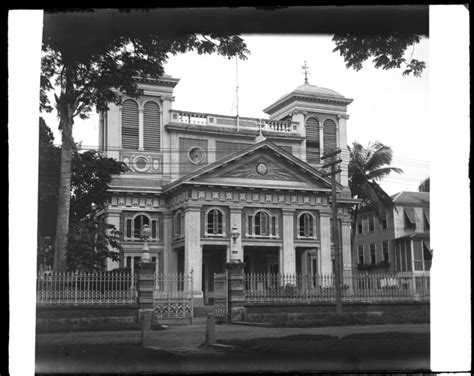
(335, 228)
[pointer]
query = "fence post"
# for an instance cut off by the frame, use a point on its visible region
(235, 285)
(146, 285)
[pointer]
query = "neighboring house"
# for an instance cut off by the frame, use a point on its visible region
(197, 178)
(398, 242)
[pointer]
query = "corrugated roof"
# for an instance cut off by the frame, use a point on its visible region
(405, 197)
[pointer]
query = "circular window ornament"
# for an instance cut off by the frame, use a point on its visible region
(262, 168)
(140, 164)
(196, 155)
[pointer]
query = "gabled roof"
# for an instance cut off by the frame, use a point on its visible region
(411, 198)
(264, 145)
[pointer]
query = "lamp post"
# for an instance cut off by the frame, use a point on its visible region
(234, 234)
(145, 236)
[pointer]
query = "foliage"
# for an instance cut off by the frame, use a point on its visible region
(91, 174)
(89, 241)
(388, 51)
(90, 59)
(424, 185)
(367, 166)
(48, 181)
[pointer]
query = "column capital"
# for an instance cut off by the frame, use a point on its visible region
(325, 214)
(235, 210)
(192, 208)
(288, 211)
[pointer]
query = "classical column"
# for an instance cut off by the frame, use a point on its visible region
(236, 249)
(289, 262)
(192, 248)
(346, 247)
(326, 261)
(113, 218)
(140, 128)
(168, 260)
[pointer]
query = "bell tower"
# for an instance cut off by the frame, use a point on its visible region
(321, 114)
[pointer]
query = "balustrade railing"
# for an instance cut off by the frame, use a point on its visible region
(85, 288)
(373, 287)
(185, 117)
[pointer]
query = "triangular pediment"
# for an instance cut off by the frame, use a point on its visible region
(263, 165)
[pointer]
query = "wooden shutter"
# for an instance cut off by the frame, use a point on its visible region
(329, 135)
(151, 126)
(130, 125)
(312, 140)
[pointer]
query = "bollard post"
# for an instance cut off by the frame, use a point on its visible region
(210, 329)
(146, 327)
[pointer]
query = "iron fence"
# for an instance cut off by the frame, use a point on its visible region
(69, 288)
(357, 287)
(173, 296)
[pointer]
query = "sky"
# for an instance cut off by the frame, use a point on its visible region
(424, 120)
(387, 107)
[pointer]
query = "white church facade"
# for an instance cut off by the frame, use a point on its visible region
(217, 188)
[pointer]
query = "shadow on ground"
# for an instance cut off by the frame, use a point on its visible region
(356, 352)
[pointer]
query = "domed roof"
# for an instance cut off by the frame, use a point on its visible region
(309, 93)
(317, 90)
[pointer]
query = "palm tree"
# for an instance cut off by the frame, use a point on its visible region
(367, 166)
(424, 185)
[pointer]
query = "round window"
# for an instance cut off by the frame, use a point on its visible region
(140, 164)
(196, 154)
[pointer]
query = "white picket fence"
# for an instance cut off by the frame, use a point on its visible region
(309, 288)
(85, 288)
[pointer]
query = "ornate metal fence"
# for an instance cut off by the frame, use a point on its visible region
(220, 295)
(173, 296)
(305, 288)
(85, 288)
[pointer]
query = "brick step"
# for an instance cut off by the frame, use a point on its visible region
(202, 311)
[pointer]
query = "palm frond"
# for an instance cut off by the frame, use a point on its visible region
(382, 172)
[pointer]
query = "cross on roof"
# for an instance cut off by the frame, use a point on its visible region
(305, 72)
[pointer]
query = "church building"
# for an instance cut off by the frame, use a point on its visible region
(217, 188)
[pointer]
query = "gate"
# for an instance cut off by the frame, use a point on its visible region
(220, 296)
(173, 297)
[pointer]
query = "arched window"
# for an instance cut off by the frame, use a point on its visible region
(134, 227)
(130, 124)
(329, 135)
(215, 222)
(312, 140)
(262, 224)
(138, 223)
(306, 225)
(151, 126)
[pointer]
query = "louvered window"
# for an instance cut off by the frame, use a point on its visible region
(151, 126)
(329, 135)
(312, 140)
(130, 125)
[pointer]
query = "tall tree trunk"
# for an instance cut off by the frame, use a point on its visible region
(64, 194)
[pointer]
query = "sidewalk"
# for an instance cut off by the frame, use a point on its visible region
(191, 337)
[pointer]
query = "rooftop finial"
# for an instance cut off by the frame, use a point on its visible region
(305, 72)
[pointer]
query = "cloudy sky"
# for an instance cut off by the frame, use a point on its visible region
(387, 106)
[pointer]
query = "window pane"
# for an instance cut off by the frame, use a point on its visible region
(129, 228)
(418, 265)
(153, 229)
